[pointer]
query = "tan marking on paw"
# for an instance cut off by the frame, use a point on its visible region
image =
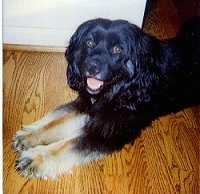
(38, 159)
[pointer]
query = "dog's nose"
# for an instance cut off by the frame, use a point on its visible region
(93, 67)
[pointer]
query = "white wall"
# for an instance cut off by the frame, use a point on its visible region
(52, 22)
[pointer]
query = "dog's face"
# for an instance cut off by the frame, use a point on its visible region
(105, 55)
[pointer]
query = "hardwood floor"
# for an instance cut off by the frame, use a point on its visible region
(164, 159)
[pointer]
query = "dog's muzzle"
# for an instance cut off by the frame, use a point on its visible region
(93, 75)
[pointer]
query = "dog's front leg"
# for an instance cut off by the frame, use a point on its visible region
(54, 159)
(42, 131)
(49, 161)
(48, 147)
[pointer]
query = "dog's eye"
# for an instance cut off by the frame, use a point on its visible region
(117, 49)
(90, 43)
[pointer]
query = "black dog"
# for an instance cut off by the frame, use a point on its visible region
(125, 79)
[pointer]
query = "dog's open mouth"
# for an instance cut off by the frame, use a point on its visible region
(94, 85)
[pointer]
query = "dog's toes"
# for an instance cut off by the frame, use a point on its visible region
(26, 138)
(29, 163)
(20, 142)
(26, 167)
(24, 164)
(35, 163)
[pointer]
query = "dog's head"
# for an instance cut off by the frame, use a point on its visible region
(105, 56)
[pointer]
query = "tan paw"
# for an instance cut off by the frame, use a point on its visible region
(24, 139)
(39, 162)
(30, 163)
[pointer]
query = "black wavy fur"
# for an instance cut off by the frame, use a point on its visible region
(146, 79)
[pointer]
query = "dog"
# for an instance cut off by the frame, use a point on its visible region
(125, 79)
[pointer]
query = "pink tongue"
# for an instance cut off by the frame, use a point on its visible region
(94, 83)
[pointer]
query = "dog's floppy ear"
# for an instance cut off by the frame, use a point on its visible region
(152, 57)
(142, 60)
(130, 67)
(74, 77)
(143, 47)
(76, 38)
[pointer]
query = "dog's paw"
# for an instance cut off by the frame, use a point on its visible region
(39, 162)
(24, 139)
(30, 163)
(25, 166)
